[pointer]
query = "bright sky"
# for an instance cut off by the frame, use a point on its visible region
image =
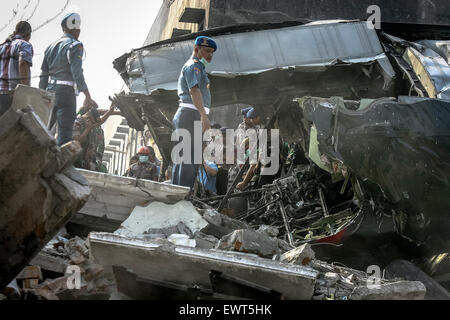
(109, 28)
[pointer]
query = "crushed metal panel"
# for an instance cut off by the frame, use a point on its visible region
(40, 189)
(158, 67)
(183, 265)
(41, 101)
(115, 197)
(403, 146)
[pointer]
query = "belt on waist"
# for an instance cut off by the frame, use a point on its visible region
(191, 106)
(62, 82)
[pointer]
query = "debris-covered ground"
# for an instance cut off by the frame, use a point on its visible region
(362, 191)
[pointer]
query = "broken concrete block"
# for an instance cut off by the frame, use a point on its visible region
(30, 283)
(182, 240)
(116, 295)
(158, 215)
(301, 255)
(77, 258)
(44, 294)
(220, 225)
(205, 241)
(331, 278)
(93, 271)
(401, 290)
(30, 272)
(187, 266)
(75, 245)
(180, 228)
(250, 241)
(407, 271)
(269, 230)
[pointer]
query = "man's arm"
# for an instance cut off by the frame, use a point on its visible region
(197, 101)
(76, 67)
(24, 72)
(43, 82)
(82, 138)
(210, 171)
(25, 62)
(248, 177)
(108, 113)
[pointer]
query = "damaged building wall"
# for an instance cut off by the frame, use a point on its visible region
(402, 11)
(169, 22)
(218, 13)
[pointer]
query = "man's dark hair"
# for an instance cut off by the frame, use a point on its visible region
(94, 113)
(23, 28)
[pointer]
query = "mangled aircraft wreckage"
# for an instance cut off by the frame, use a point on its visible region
(378, 147)
(365, 117)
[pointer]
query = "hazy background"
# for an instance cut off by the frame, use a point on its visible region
(108, 30)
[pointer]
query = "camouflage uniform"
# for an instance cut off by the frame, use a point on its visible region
(94, 141)
(143, 170)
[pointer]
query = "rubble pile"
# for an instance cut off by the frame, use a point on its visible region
(75, 252)
(305, 206)
(342, 283)
(219, 234)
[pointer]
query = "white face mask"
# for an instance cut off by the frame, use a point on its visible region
(205, 63)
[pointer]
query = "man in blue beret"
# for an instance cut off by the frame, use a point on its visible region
(62, 73)
(254, 118)
(195, 101)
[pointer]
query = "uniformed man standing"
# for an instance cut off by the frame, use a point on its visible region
(16, 57)
(63, 65)
(195, 101)
(143, 169)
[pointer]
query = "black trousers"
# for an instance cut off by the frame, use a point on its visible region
(5, 102)
(184, 174)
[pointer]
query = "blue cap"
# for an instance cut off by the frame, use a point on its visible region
(223, 130)
(252, 113)
(245, 111)
(206, 42)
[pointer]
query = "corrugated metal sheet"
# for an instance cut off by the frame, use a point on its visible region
(255, 52)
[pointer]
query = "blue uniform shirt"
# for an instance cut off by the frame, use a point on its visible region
(63, 60)
(193, 73)
(209, 182)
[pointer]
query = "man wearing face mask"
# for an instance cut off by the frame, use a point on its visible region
(62, 73)
(195, 101)
(143, 169)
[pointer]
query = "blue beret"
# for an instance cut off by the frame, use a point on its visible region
(206, 42)
(252, 113)
(245, 111)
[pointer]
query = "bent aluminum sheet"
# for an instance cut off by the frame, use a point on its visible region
(189, 266)
(158, 67)
(432, 70)
(403, 146)
(115, 197)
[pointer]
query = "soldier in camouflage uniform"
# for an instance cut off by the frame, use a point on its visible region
(143, 169)
(87, 130)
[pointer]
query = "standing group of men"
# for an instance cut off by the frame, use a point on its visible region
(62, 73)
(195, 102)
